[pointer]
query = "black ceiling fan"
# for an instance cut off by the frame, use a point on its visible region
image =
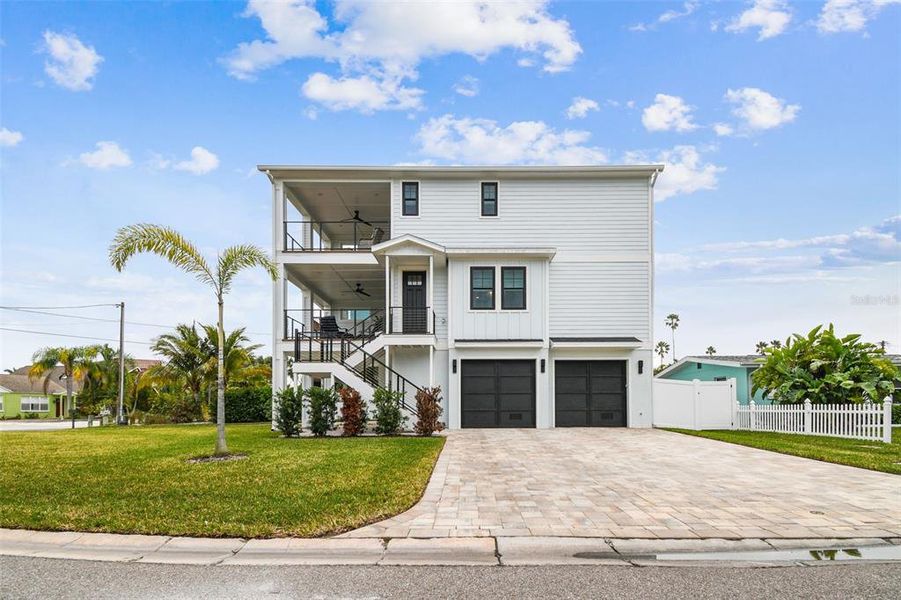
(356, 218)
(360, 291)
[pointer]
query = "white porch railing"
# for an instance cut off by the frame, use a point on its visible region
(858, 421)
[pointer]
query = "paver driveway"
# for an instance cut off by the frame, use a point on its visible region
(640, 483)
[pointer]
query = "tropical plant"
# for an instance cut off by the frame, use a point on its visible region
(428, 411)
(289, 410)
(236, 356)
(826, 369)
(672, 321)
(776, 343)
(389, 419)
(710, 351)
(171, 245)
(185, 360)
(353, 411)
(661, 349)
(76, 362)
(761, 347)
(323, 408)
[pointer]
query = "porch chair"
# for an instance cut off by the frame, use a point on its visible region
(378, 234)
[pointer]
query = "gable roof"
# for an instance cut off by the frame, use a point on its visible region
(21, 384)
(722, 360)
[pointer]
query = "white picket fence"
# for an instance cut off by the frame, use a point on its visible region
(866, 421)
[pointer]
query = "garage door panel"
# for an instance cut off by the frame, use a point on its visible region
(590, 393)
(498, 393)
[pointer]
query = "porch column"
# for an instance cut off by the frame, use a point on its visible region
(387, 296)
(430, 286)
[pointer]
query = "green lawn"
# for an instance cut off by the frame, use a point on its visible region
(875, 456)
(136, 480)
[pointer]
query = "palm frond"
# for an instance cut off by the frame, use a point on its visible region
(237, 258)
(162, 241)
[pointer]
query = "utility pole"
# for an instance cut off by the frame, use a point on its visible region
(120, 415)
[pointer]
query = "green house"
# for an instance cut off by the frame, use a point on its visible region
(718, 368)
(24, 398)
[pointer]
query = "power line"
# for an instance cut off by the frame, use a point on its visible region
(83, 337)
(56, 307)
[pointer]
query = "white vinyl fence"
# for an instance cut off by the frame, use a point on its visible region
(858, 421)
(694, 404)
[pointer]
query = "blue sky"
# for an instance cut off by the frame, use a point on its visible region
(779, 123)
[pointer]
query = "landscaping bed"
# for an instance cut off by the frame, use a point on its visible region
(865, 454)
(139, 480)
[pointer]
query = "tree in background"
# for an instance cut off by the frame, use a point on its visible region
(171, 245)
(76, 362)
(825, 369)
(101, 382)
(761, 347)
(672, 321)
(776, 344)
(710, 351)
(186, 357)
(662, 348)
(236, 356)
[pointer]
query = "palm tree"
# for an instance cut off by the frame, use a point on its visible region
(710, 351)
(672, 321)
(661, 349)
(761, 346)
(237, 354)
(187, 357)
(171, 245)
(101, 382)
(776, 344)
(76, 362)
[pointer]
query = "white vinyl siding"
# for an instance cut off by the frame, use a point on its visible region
(583, 216)
(34, 404)
(609, 299)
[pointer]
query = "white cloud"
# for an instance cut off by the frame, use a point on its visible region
(467, 86)
(9, 138)
(311, 113)
(71, 65)
(106, 156)
(723, 129)
(668, 113)
(667, 16)
(363, 93)
(849, 15)
(202, 161)
(379, 45)
(685, 172)
(483, 141)
(580, 107)
(760, 110)
(769, 17)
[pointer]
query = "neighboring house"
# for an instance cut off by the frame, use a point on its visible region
(719, 368)
(525, 293)
(22, 397)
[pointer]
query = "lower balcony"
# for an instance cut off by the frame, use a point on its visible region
(358, 323)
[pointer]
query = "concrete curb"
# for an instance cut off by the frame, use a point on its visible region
(458, 551)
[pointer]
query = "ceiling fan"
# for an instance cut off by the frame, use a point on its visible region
(356, 218)
(359, 290)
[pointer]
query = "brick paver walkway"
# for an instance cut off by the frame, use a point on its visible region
(640, 483)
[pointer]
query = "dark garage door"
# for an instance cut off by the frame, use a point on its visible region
(498, 393)
(590, 393)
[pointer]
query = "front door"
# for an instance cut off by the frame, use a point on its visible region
(415, 318)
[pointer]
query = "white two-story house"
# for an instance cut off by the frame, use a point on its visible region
(525, 293)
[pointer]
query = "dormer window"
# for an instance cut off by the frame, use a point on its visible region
(489, 199)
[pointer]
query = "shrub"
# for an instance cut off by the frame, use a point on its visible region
(896, 413)
(388, 416)
(428, 407)
(323, 404)
(289, 411)
(826, 369)
(353, 411)
(248, 404)
(155, 419)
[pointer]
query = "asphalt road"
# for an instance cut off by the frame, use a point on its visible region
(48, 578)
(41, 425)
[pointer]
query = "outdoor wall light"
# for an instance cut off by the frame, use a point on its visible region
(640, 367)
(542, 365)
(454, 365)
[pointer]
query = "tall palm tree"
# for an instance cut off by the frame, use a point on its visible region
(661, 349)
(672, 321)
(186, 355)
(101, 383)
(776, 344)
(710, 351)
(76, 362)
(237, 354)
(761, 346)
(171, 245)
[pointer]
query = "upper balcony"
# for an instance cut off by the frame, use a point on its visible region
(335, 216)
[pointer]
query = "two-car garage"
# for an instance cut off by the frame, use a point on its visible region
(502, 393)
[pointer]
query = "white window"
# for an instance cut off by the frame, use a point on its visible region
(34, 404)
(1, 403)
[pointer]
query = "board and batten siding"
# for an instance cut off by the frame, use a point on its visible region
(497, 324)
(577, 215)
(600, 299)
